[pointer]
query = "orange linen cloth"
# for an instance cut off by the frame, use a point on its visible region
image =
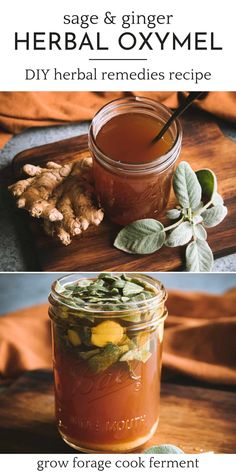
(199, 339)
(21, 110)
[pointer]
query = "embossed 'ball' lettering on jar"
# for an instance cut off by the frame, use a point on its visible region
(107, 362)
(133, 177)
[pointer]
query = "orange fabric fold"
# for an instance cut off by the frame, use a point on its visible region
(200, 336)
(21, 110)
(199, 340)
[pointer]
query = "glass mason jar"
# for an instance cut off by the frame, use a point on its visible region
(129, 191)
(106, 401)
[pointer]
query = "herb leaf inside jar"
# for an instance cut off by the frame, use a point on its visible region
(107, 289)
(101, 343)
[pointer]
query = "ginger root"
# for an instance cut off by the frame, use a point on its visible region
(107, 332)
(63, 195)
(73, 337)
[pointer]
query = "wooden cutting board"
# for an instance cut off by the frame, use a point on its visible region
(195, 419)
(204, 145)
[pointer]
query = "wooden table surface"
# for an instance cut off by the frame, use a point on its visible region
(195, 419)
(204, 145)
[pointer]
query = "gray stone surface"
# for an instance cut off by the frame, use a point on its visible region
(16, 250)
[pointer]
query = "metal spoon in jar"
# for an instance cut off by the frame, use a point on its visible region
(190, 98)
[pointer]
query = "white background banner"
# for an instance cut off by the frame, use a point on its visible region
(124, 45)
(117, 462)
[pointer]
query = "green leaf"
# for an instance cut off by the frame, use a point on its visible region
(199, 257)
(105, 358)
(134, 317)
(119, 283)
(173, 214)
(59, 288)
(67, 293)
(208, 182)
(213, 216)
(180, 235)
(85, 355)
(164, 449)
(131, 288)
(217, 199)
(200, 232)
(141, 237)
(141, 354)
(107, 276)
(197, 219)
(198, 208)
(84, 283)
(186, 186)
(136, 355)
(112, 290)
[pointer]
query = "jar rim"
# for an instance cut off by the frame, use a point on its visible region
(156, 300)
(160, 162)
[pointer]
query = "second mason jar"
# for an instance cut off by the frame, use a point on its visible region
(107, 359)
(132, 176)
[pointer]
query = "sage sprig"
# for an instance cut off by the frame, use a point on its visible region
(164, 449)
(199, 206)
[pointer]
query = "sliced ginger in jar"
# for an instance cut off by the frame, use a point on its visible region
(143, 338)
(74, 337)
(107, 332)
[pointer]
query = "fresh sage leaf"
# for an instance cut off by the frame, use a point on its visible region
(67, 293)
(164, 449)
(197, 219)
(141, 354)
(147, 236)
(213, 216)
(107, 276)
(180, 235)
(85, 355)
(115, 291)
(84, 283)
(208, 182)
(199, 207)
(119, 283)
(141, 237)
(107, 289)
(131, 288)
(135, 317)
(173, 214)
(186, 186)
(199, 257)
(105, 358)
(217, 199)
(199, 232)
(59, 288)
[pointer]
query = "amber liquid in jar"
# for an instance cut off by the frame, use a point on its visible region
(128, 196)
(127, 138)
(111, 411)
